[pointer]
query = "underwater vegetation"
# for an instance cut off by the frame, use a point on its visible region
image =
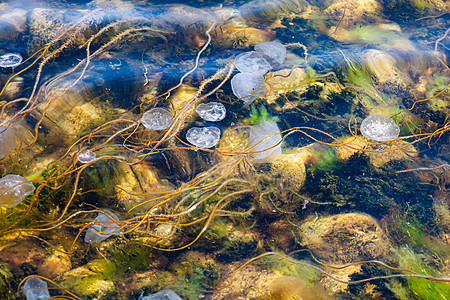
(224, 149)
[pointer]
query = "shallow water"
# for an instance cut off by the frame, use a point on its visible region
(223, 222)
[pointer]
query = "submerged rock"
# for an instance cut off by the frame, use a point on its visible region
(35, 289)
(212, 111)
(345, 238)
(247, 86)
(263, 136)
(13, 189)
(203, 137)
(379, 128)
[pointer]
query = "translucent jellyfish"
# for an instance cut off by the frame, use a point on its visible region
(246, 84)
(7, 141)
(105, 226)
(273, 52)
(252, 62)
(157, 118)
(10, 60)
(12, 197)
(162, 295)
(211, 111)
(258, 133)
(86, 156)
(203, 137)
(35, 289)
(379, 128)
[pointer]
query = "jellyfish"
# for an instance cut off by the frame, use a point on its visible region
(13, 189)
(273, 52)
(162, 295)
(212, 111)
(203, 137)
(248, 86)
(263, 136)
(35, 289)
(252, 62)
(379, 128)
(10, 60)
(157, 118)
(105, 226)
(86, 156)
(7, 141)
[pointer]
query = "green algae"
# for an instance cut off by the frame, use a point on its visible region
(6, 278)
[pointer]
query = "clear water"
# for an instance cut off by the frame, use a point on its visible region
(190, 217)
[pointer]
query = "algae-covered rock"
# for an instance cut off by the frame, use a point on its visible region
(6, 277)
(345, 238)
(92, 281)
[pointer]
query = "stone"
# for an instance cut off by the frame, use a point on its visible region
(35, 289)
(273, 52)
(252, 62)
(11, 195)
(211, 111)
(248, 86)
(379, 128)
(157, 118)
(203, 137)
(103, 228)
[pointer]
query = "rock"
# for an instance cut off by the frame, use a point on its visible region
(379, 155)
(12, 23)
(292, 166)
(55, 265)
(345, 238)
(92, 281)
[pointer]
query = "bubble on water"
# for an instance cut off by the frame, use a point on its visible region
(203, 137)
(107, 223)
(13, 189)
(10, 60)
(379, 128)
(252, 62)
(86, 156)
(211, 111)
(157, 118)
(273, 52)
(245, 84)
